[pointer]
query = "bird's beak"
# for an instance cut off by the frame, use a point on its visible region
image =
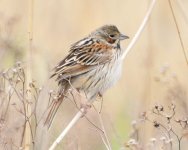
(123, 37)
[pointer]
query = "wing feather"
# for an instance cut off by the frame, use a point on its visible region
(83, 56)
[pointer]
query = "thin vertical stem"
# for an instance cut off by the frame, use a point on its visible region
(182, 8)
(178, 30)
(103, 128)
(28, 141)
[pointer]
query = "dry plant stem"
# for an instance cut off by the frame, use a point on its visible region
(66, 130)
(178, 30)
(28, 129)
(168, 134)
(183, 9)
(103, 134)
(8, 104)
(108, 146)
(179, 139)
(141, 28)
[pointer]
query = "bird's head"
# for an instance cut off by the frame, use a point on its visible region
(110, 34)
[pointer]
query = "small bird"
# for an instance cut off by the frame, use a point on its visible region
(93, 65)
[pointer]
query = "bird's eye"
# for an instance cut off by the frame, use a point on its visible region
(112, 35)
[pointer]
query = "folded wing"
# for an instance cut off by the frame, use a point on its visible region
(83, 56)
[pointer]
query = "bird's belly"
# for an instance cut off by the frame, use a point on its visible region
(112, 76)
(99, 80)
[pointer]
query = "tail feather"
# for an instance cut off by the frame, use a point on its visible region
(52, 112)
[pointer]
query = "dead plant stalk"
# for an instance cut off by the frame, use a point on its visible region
(28, 141)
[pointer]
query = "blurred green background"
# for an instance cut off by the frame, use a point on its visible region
(155, 65)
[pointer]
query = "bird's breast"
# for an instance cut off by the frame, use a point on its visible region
(102, 78)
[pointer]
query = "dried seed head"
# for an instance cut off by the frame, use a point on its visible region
(132, 142)
(21, 148)
(143, 115)
(168, 141)
(177, 120)
(134, 123)
(164, 69)
(153, 140)
(4, 73)
(20, 69)
(18, 80)
(156, 124)
(31, 85)
(173, 106)
(18, 63)
(51, 91)
(14, 70)
(163, 138)
(55, 97)
(169, 128)
(40, 89)
(184, 119)
(158, 107)
(122, 148)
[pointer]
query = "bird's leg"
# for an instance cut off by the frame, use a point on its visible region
(84, 103)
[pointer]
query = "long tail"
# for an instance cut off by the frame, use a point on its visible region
(53, 110)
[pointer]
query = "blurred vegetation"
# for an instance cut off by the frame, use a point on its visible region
(155, 71)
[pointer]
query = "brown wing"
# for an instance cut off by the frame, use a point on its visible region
(84, 56)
